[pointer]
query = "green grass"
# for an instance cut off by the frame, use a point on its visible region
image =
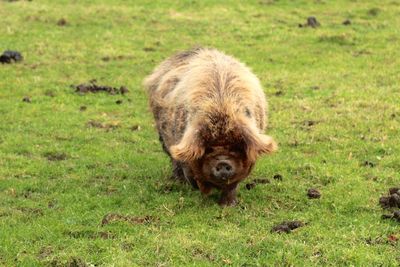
(345, 78)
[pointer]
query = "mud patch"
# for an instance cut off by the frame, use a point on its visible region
(93, 87)
(10, 56)
(252, 184)
(313, 193)
(55, 156)
(287, 226)
(311, 22)
(114, 217)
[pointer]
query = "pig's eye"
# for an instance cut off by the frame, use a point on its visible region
(247, 112)
(237, 149)
(209, 150)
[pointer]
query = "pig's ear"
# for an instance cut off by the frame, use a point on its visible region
(257, 144)
(189, 148)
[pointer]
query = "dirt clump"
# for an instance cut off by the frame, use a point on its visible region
(10, 56)
(287, 226)
(93, 87)
(62, 22)
(390, 201)
(395, 216)
(114, 217)
(346, 22)
(252, 184)
(394, 190)
(313, 193)
(311, 22)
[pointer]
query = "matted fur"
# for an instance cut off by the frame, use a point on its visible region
(203, 98)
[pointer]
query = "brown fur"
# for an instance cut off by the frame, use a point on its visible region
(209, 106)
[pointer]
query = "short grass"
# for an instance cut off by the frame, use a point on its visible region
(334, 104)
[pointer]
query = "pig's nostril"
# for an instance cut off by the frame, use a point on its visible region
(223, 170)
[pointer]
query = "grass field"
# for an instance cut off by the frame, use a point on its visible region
(334, 109)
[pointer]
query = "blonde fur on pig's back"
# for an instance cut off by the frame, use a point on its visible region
(196, 84)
